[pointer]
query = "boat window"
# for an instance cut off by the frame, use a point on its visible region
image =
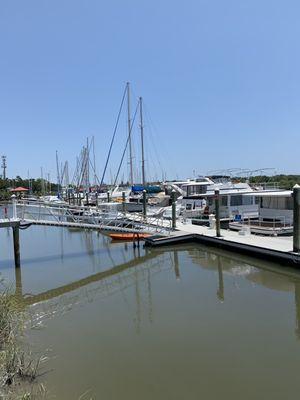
(236, 200)
(210, 201)
(247, 200)
(224, 201)
(188, 207)
(277, 203)
(196, 189)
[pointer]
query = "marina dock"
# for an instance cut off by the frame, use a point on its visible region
(278, 249)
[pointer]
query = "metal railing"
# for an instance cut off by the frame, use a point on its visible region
(86, 217)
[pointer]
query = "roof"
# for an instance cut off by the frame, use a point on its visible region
(19, 189)
(273, 193)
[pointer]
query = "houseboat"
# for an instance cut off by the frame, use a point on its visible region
(275, 214)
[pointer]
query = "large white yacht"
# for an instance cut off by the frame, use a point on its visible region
(198, 198)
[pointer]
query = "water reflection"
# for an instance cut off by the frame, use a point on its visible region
(144, 264)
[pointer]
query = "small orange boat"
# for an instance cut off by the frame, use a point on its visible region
(128, 236)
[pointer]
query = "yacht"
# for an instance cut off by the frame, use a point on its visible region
(198, 198)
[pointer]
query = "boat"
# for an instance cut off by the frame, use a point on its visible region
(129, 236)
(199, 198)
(275, 214)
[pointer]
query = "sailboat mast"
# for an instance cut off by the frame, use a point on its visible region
(129, 134)
(142, 141)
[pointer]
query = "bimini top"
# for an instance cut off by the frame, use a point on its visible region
(271, 193)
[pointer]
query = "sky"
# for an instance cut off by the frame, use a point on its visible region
(219, 79)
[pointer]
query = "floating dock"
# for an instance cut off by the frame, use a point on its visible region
(278, 249)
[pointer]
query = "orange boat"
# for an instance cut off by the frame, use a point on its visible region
(128, 236)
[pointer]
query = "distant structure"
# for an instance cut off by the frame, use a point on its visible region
(4, 166)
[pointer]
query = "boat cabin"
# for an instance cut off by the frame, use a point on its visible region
(200, 197)
(275, 214)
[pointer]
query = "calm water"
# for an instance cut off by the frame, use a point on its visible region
(191, 323)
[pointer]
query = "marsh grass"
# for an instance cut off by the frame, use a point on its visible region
(18, 367)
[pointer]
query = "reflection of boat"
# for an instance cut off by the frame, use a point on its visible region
(128, 236)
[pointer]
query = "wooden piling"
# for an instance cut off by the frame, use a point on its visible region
(296, 222)
(16, 237)
(123, 202)
(217, 207)
(144, 203)
(173, 209)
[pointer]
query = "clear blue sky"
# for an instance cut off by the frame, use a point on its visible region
(220, 80)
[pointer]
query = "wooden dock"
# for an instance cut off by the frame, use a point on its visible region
(278, 249)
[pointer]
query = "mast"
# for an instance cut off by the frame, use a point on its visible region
(129, 134)
(58, 175)
(142, 141)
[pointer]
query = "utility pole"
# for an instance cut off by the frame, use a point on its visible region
(142, 141)
(4, 166)
(129, 134)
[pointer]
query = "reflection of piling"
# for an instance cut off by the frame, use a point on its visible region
(176, 265)
(217, 207)
(220, 292)
(296, 222)
(16, 237)
(18, 278)
(297, 304)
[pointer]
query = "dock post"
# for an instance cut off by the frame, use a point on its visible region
(97, 203)
(123, 202)
(173, 209)
(14, 206)
(144, 203)
(87, 199)
(296, 222)
(16, 238)
(108, 197)
(217, 207)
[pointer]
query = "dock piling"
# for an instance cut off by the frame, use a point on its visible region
(173, 209)
(16, 237)
(123, 202)
(296, 222)
(108, 197)
(217, 207)
(144, 203)
(14, 206)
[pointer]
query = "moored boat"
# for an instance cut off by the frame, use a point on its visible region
(129, 236)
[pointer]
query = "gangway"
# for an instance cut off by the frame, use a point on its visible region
(91, 218)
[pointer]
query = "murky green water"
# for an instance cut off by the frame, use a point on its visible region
(124, 323)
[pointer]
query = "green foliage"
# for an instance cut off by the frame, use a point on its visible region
(38, 186)
(280, 181)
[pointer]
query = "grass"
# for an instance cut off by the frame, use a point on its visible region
(18, 368)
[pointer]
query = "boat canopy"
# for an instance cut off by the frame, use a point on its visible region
(273, 193)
